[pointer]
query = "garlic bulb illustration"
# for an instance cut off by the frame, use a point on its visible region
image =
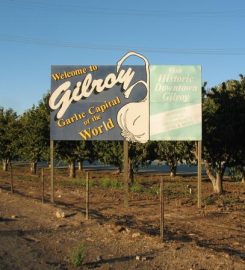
(133, 118)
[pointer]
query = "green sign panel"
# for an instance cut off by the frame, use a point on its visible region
(175, 103)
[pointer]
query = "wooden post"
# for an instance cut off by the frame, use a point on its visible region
(161, 209)
(87, 195)
(199, 175)
(52, 171)
(42, 180)
(11, 179)
(125, 175)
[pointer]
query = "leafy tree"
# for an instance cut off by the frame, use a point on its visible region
(9, 136)
(84, 152)
(138, 156)
(72, 151)
(66, 150)
(172, 152)
(223, 130)
(109, 152)
(35, 134)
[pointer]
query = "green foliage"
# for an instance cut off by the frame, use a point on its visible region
(236, 173)
(224, 128)
(154, 190)
(73, 182)
(110, 183)
(210, 200)
(74, 150)
(10, 130)
(138, 155)
(35, 132)
(109, 152)
(172, 152)
(77, 255)
(231, 200)
(176, 190)
(136, 187)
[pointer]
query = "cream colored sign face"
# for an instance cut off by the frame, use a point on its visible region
(175, 103)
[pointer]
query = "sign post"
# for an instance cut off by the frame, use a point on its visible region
(52, 171)
(199, 175)
(87, 195)
(125, 174)
(161, 209)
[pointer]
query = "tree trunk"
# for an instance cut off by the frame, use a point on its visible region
(80, 166)
(218, 184)
(173, 170)
(33, 168)
(217, 180)
(131, 173)
(72, 169)
(243, 176)
(5, 165)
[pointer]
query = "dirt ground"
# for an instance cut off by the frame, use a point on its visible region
(43, 236)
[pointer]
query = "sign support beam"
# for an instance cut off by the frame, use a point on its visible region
(52, 171)
(125, 174)
(199, 174)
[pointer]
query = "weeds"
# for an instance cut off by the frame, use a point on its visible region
(231, 200)
(210, 200)
(68, 182)
(110, 183)
(136, 187)
(77, 255)
(154, 190)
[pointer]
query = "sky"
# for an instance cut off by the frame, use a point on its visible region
(37, 34)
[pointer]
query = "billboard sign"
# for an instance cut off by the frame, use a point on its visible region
(133, 102)
(100, 102)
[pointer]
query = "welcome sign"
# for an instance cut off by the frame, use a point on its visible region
(100, 102)
(136, 103)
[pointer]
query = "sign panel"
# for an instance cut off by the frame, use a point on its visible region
(100, 102)
(136, 103)
(175, 103)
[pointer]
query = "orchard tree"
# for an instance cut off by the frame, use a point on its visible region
(109, 152)
(74, 151)
(173, 152)
(138, 156)
(10, 129)
(66, 150)
(35, 134)
(85, 152)
(223, 130)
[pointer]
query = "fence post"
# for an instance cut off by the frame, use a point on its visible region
(52, 170)
(87, 195)
(11, 179)
(199, 175)
(161, 209)
(42, 180)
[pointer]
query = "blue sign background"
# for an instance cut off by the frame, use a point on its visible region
(72, 130)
